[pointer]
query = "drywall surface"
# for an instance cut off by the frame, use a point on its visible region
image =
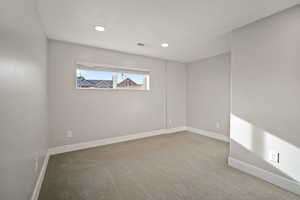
(208, 94)
(23, 106)
(266, 93)
(176, 94)
(93, 114)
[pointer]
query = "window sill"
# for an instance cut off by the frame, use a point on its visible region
(113, 89)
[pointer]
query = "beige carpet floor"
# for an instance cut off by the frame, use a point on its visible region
(181, 166)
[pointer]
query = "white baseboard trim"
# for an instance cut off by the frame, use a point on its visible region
(210, 134)
(177, 129)
(270, 177)
(39, 182)
(95, 143)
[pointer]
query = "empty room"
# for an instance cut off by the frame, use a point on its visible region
(149, 100)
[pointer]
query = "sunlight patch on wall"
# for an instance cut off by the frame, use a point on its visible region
(261, 143)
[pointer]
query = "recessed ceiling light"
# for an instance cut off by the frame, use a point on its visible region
(164, 45)
(99, 28)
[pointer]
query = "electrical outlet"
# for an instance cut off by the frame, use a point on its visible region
(36, 164)
(218, 125)
(274, 156)
(170, 122)
(69, 134)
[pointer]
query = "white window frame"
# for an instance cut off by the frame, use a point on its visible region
(116, 69)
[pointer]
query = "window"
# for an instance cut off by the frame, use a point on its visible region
(111, 78)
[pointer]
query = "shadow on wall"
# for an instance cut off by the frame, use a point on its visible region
(261, 143)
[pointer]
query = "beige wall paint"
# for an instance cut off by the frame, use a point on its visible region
(97, 114)
(208, 94)
(265, 93)
(23, 107)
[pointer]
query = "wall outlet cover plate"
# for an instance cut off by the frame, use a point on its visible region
(274, 156)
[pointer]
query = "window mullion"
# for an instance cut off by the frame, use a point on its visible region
(115, 80)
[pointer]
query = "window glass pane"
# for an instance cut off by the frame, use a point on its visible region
(94, 79)
(126, 80)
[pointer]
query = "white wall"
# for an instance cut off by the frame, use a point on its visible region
(23, 124)
(208, 94)
(265, 93)
(97, 114)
